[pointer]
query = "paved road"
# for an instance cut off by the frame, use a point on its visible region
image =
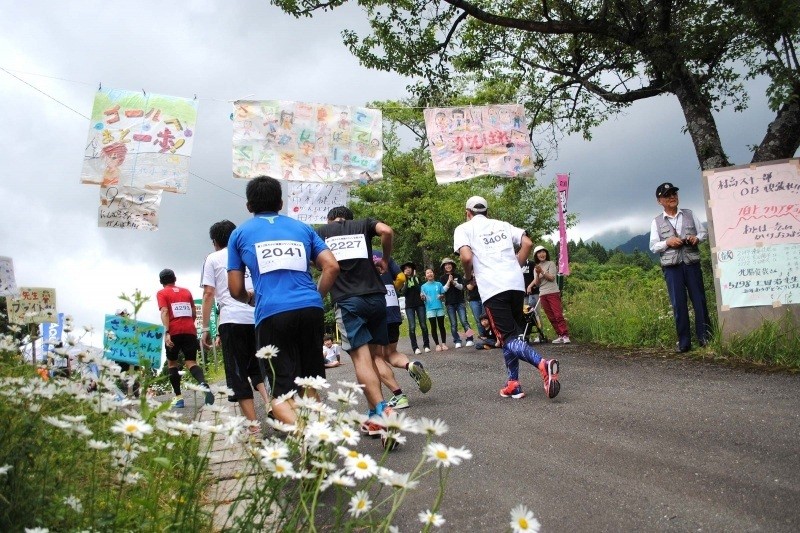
(634, 442)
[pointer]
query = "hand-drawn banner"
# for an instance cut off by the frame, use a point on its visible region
(140, 140)
(8, 282)
(755, 206)
(310, 202)
(129, 208)
(760, 276)
(297, 141)
(466, 142)
(33, 305)
(125, 339)
(755, 215)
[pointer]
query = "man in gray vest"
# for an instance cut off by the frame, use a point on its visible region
(674, 235)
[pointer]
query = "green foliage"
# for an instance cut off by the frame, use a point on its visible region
(574, 64)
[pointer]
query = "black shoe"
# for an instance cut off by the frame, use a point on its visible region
(678, 348)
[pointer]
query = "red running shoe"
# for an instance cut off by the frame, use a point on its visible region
(548, 368)
(512, 390)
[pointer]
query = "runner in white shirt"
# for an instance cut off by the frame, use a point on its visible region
(236, 330)
(486, 249)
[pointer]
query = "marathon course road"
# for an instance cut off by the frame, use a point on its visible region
(635, 441)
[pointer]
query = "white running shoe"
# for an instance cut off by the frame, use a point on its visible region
(458, 345)
(417, 351)
(427, 350)
(565, 339)
(558, 340)
(470, 343)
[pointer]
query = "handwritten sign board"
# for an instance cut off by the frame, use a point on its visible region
(310, 202)
(125, 339)
(8, 282)
(467, 142)
(124, 207)
(140, 140)
(32, 305)
(298, 141)
(754, 225)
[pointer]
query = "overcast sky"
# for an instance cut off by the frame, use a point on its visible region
(223, 51)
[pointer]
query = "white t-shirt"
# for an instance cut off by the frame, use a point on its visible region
(331, 354)
(494, 262)
(215, 274)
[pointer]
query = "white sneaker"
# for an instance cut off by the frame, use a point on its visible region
(558, 340)
(427, 350)
(470, 343)
(417, 351)
(458, 345)
(565, 339)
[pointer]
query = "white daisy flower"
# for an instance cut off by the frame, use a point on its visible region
(523, 521)
(57, 422)
(361, 466)
(5, 469)
(132, 427)
(97, 444)
(360, 503)
(132, 478)
(346, 452)
(320, 432)
(431, 518)
(397, 480)
(88, 329)
(34, 407)
(280, 468)
(396, 422)
(277, 425)
(339, 479)
(110, 335)
(314, 382)
(274, 450)
(267, 352)
(285, 396)
(353, 386)
(36, 530)
(343, 397)
(350, 436)
(446, 455)
(74, 418)
(434, 428)
(75, 503)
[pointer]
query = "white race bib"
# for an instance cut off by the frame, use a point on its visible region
(495, 241)
(281, 255)
(348, 247)
(391, 296)
(181, 309)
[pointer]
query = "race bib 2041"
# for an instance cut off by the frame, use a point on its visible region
(281, 255)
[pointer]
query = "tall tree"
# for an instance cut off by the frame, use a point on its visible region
(574, 63)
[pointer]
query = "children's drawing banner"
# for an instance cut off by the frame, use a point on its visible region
(125, 339)
(8, 281)
(466, 142)
(310, 202)
(128, 208)
(297, 141)
(32, 305)
(755, 212)
(140, 140)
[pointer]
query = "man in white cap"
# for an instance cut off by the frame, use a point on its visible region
(486, 249)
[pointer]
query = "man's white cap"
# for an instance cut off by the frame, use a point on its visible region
(477, 204)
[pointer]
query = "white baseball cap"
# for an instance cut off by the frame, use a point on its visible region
(477, 204)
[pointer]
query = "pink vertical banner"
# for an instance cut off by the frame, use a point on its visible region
(562, 181)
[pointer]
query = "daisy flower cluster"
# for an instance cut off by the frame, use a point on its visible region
(321, 457)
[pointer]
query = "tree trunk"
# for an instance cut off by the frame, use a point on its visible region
(783, 133)
(701, 125)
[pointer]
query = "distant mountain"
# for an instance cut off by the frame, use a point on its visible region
(611, 239)
(639, 242)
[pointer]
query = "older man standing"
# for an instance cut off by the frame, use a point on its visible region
(674, 235)
(486, 248)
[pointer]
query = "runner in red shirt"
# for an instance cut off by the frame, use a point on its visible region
(178, 316)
